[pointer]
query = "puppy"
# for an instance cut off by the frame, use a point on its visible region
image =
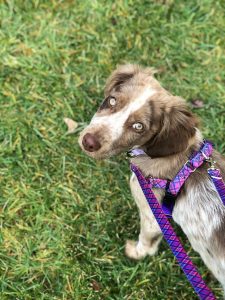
(139, 112)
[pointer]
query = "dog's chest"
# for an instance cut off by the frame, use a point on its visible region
(192, 225)
(198, 213)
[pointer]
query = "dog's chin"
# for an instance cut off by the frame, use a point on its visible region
(96, 155)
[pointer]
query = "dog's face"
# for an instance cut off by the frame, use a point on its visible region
(134, 114)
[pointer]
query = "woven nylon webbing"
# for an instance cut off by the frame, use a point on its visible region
(183, 259)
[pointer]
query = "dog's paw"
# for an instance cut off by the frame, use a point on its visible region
(136, 250)
(131, 250)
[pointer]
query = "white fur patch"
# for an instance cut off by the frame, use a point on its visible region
(116, 121)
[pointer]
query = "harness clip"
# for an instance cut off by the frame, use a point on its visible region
(212, 163)
(129, 154)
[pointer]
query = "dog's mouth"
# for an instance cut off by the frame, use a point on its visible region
(99, 142)
(100, 146)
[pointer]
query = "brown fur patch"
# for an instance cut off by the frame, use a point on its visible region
(124, 73)
(122, 99)
(177, 126)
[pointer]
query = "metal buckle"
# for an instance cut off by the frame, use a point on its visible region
(210, 161)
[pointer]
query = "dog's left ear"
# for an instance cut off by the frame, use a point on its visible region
(121, 75)
(178, 126)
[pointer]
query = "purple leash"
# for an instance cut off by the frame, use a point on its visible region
(161, 212)
(174, 243)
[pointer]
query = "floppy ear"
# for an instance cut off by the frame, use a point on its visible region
(122, 74)
(178, 125)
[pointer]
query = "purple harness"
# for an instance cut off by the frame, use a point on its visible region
(162, 213)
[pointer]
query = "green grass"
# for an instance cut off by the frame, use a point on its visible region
(64, 218)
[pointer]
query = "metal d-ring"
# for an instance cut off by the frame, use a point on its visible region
(210, 161)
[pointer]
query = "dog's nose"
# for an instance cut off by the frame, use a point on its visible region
(90, 143)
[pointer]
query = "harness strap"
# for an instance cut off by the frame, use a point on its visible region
(174, 186)
(161, 213)
(174, 243)
(190, 166)
(218, 182)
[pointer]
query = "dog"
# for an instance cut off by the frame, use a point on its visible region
(137, 112)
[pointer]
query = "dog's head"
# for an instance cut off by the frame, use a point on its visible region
(137, 112)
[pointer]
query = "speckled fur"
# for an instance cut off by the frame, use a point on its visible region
(198, 210)
(169, 137)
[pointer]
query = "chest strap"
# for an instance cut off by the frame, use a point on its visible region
(173, 187)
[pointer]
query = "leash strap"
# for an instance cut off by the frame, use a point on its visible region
(183, 259)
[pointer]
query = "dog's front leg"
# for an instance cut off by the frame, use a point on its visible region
(150, 233)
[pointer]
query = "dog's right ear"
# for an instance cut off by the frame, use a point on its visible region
(120, 76)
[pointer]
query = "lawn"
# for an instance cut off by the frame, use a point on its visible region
(64, 217)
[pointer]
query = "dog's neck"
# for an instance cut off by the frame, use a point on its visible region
(167, 166)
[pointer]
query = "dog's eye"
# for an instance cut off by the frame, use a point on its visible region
(112, 101)
(138, 126)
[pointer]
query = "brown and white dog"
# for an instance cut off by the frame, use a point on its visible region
(139, 112)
